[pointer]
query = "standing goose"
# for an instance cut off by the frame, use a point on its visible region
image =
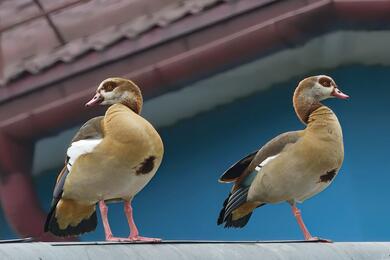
(293, 166)
(111, 158)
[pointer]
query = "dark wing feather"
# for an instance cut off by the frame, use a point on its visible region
(58, 188)
(237, 169)
(92, 129)
(60, 183)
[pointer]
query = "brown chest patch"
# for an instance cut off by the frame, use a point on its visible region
(146, 166)
(328, 176)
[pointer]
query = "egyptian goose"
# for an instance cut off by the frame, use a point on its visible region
(293, 166)
(111, 158)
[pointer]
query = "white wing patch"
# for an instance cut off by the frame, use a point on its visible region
(78, 148)
(267, 160)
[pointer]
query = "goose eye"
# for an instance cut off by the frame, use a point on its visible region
(109, 86)
(325, 82)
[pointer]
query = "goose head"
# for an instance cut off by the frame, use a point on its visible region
(118, 90)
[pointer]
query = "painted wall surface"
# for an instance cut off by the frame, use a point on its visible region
(184, 198)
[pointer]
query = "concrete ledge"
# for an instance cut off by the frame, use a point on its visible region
(197, 250)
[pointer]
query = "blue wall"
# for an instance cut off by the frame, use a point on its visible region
(184, 198)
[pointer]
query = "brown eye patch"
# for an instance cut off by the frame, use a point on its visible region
(109, 86)
(326, 82)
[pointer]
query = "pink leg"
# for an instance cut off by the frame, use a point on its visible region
(134, 234)
(107, 230)
(298, 216)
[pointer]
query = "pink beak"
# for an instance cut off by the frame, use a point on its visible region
(338, 94)
(96, 100)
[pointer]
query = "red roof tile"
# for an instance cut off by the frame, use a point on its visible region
(84, 26)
